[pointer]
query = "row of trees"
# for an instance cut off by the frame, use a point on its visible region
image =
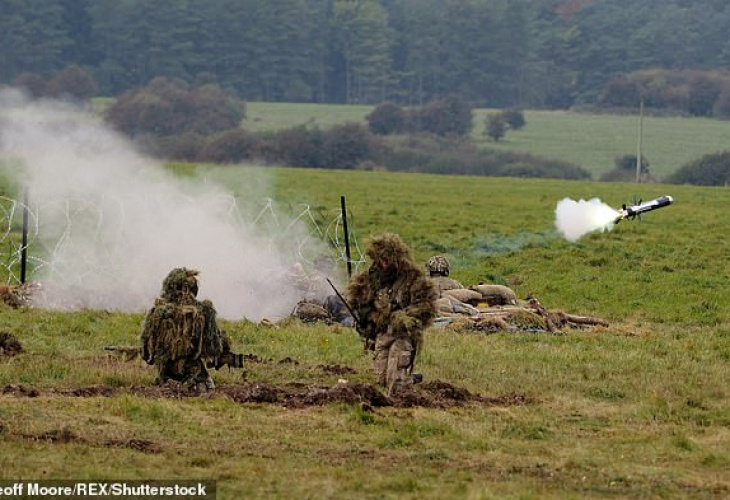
(692, 92)
(177, 121)
(492, 53)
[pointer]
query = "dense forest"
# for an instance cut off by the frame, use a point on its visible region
(493, 53)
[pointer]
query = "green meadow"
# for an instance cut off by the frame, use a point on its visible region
(639, 409)
(591, 141)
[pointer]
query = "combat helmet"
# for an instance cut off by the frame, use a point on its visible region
(438, 265)
(181, 284)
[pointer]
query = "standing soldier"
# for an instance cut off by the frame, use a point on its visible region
(394, 303)
(181, 336)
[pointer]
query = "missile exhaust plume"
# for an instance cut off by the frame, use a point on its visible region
(575, 219)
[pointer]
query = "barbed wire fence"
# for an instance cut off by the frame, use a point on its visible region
(308, 227)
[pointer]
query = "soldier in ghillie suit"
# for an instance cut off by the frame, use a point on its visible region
(394, 303)
(181, 336)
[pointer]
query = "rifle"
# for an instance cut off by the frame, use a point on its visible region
(359, 325)
(232, 359)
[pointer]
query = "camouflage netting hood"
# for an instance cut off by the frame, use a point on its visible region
(180, 285)
(389, 249)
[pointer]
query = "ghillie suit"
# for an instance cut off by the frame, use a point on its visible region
(309, 312)
(332, 312)
(180, 335)
(394, 303)
(9, 345)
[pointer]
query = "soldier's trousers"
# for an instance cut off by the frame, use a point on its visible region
(393, 362)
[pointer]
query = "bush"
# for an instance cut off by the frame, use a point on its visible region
(31, 83)
(462, 157)
(703, 93)
(299, 147)
(514, 118)
(620, 92)
(347, 145)
(186, 147)
(450, 117)
(710, 170)
(73, 82)
(232, 146)
(495, 127)
(721, 109)
(624, 170)
(168, 107)
(388, 118)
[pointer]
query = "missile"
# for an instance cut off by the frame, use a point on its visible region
(632, 211)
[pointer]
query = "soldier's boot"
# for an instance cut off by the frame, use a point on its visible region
(417, 378)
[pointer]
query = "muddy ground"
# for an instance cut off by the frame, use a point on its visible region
(433, 394)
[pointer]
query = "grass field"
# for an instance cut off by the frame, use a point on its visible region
(591, 141)
(640, 409)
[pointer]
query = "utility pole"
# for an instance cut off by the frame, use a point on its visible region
(638, 141)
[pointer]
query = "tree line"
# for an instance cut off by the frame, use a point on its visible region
(491, 53)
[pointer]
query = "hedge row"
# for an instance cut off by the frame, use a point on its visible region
(353, 146)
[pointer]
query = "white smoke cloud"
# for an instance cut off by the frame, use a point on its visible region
(116, 222)
(575, 219)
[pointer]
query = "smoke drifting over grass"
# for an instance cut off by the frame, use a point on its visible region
(114, 223)
(575, 219)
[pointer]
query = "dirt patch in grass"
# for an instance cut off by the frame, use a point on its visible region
(86, 392)
(9, 345)
(141, 445)
(440, 394)
(21, 391)
(434, 394)
(288, 361)
(64, 436)
(253, 358)
(54, 436)
(337, 369)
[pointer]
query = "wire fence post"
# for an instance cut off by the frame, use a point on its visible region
(347, 236)
(24, 247)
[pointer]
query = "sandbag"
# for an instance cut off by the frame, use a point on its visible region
(496, 295)
(463, 295)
